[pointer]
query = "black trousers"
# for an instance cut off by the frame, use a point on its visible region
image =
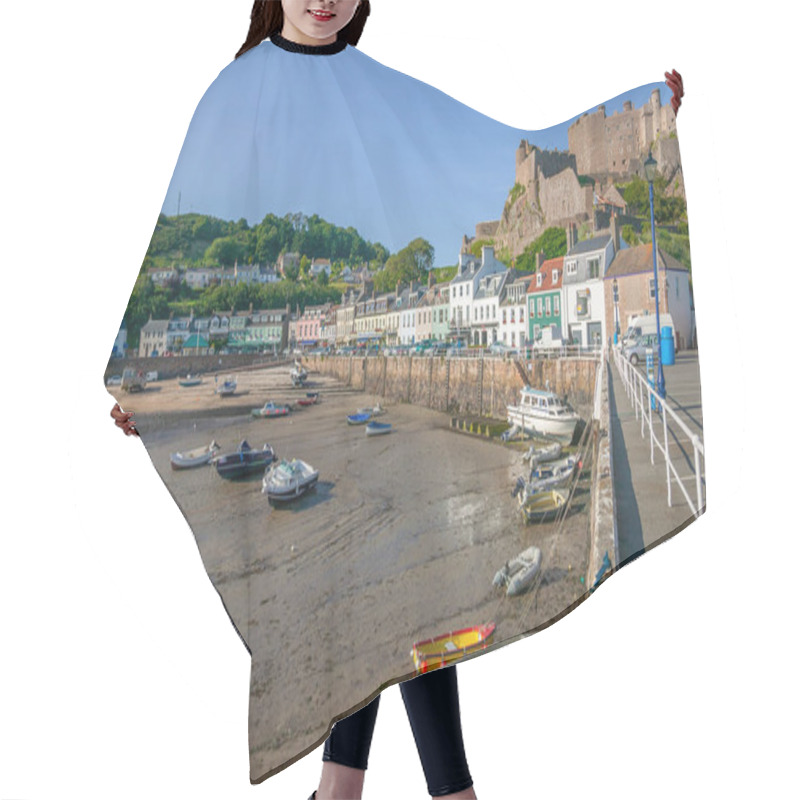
(431, 702)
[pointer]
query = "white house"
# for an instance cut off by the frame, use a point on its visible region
(512, 313)
(463, 290)
(585, 266)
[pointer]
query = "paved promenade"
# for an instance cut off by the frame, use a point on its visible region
(643, 517)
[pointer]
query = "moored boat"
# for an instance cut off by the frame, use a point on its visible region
(270, 409)
(358, 419)
(378, 428)
(298, 374)
(288, 480)
(542, 411)
(227, 389)
(518, 573)
(375, 411)
(440, 651)
(538, 455)
(540, 505)
(193, 458)
(245, 461)
(190, 380)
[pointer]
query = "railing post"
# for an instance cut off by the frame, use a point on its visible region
(650, 424)
(698, 481)
(666, 454)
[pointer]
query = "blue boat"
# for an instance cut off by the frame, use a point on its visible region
(378, 428)
(358, 419)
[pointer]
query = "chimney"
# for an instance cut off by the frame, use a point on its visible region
(615, 233)
(487, 251)
(539, 260)
(397, 291)
(430, 278)
(570, 241)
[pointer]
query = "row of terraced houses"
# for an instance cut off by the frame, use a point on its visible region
(587, 295)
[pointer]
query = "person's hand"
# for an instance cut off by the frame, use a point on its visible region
(124, 420)
(675, 83)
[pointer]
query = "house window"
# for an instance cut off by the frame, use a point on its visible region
(652, 286)
(531, 308)
(594, 267)
(539, 306)
(547, 310)
(522, 314)
(582, 304)
(539, 279)
(494, 312)
(572, 267)
(461, 291)
(555, 276)
(504, 316)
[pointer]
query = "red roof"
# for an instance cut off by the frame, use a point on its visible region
(546, 271)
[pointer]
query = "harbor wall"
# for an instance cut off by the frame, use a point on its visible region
(180, 366)
(603, 528)
(475, 386)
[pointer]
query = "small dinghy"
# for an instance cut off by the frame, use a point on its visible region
(193, 458)
(228, 388)
(358, 419)
(378, 428)
(430, 654)
(245, 461)
(553, 473)
(540, 505)
(310, 399)
(289, 480)
(539, 455)
(271, 409)
(518, 573)
(190, 380)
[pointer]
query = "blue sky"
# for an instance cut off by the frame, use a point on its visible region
(354, 141)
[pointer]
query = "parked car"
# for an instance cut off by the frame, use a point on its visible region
(636, 350)
(114, 380)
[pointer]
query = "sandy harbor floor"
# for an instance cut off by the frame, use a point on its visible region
(399, 541)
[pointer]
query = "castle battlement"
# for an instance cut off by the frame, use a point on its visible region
(617, 145)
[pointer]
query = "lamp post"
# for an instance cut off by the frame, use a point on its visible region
(615, 287)
(650, 166)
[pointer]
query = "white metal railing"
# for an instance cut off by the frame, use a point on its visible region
(644, 398)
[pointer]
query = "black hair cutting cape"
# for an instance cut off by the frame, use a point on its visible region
(369, 354)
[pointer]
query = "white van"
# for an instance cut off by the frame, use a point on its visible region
(549, 338)
(645, 325)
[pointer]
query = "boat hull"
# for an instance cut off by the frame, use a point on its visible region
(378, 428)
(541, 505)
(559, 428)
(441, 651)
(244, 463)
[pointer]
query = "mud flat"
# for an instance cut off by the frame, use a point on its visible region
(399, 541)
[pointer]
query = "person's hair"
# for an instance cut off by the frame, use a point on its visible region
(266, 19)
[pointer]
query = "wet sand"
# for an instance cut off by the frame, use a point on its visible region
(399, 541)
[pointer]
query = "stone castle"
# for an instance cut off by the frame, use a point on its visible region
(602, 150)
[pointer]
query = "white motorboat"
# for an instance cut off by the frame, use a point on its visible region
(541, 411)
(289, 480)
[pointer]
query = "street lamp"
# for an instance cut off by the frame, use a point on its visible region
(650, 166)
